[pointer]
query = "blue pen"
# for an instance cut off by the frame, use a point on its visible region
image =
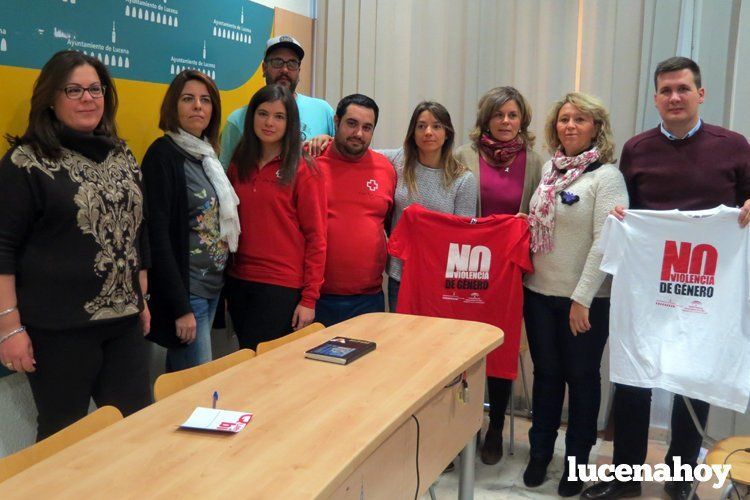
(215, 399)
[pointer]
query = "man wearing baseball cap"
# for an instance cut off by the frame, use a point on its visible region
(281, 65)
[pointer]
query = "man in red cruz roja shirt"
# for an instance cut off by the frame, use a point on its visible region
(360, 184)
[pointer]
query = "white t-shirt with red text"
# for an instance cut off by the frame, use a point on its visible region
(680, 305)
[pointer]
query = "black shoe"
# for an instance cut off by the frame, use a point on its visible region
(568, 487)
(611, 490)
(451, 467)
(679, 490)
(492, 449)
(534, 474)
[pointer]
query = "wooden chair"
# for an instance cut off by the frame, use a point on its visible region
(169, 383)
(739, 460)
(90, 424)
(264, 347)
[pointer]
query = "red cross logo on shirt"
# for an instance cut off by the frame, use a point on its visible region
(372, 185)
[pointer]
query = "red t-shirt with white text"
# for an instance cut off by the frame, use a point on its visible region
(465, 268)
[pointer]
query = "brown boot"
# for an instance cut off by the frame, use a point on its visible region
(492, 449)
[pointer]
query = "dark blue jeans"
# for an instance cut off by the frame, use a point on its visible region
(332, 309)
(561, 358)
(199, 351)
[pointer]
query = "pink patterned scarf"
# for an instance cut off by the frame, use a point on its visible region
(565, 170)
(500, 154)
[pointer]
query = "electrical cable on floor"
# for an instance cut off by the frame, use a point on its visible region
(416, 493)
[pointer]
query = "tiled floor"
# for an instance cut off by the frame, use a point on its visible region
(505, 480)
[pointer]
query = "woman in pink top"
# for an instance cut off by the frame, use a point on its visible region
(500, 154)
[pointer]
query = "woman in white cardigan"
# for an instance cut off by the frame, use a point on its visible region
(566, 301)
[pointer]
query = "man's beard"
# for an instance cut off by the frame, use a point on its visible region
(292, 84)
(348, 150)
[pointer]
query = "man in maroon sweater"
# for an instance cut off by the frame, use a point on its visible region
(360, 184)
(683, 164)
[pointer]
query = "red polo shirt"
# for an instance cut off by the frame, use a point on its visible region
(283, 239)
(360, 199)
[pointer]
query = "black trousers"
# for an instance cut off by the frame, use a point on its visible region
(498, 390)
(107, 363)
(259, 311)
(561, 358)
(632, 413)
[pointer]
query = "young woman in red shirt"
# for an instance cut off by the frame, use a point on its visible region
(275, 275)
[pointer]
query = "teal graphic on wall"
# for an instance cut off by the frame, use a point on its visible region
(144, 40)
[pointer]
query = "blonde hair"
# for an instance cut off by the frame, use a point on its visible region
(590, 105)
(452, 169)
(494, 100)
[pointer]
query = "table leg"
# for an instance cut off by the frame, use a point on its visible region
(466, 479)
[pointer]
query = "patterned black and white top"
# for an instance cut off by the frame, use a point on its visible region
(72, 232)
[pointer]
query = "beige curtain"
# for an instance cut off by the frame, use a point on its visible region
(452, 51)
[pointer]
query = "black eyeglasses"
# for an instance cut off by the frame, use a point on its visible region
(278, 63)
(96, 91)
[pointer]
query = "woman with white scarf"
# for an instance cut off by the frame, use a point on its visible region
(566, 300)
(192, 217)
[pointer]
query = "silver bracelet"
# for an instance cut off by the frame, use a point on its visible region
(8, 311)
(14, 332)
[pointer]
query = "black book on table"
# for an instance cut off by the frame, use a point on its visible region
(341, 350)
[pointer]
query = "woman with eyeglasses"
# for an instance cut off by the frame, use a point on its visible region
(73, 251)
(193, 220)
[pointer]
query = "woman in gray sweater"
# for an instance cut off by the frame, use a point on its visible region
(566, 301)
(428, 174)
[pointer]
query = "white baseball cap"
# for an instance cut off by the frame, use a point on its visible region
(285, 41)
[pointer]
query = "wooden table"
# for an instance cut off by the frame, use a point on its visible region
(319, 430)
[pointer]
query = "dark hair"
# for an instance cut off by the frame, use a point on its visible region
(677, 64)
(359, 100)
(452, 169)
(247, 154)
(169, 118)
(44, 128)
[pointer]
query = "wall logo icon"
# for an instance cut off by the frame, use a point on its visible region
(372, 185)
